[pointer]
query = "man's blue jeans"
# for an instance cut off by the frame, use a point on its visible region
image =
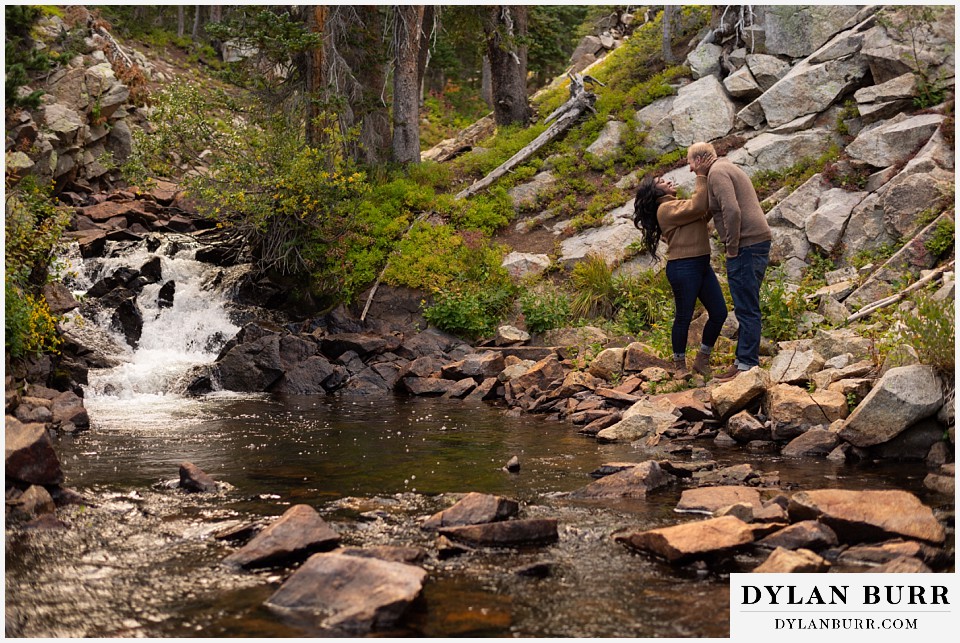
(745, 274)
(692, 279)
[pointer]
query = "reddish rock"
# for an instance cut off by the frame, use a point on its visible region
(812, 443)
(633, 482)
(390, 553)
(708, 500)
(29, 454)
(33, 502)
(474, 509)
(883, 553)
(902, 565)
(193, 479)
(478, 366)
(806, 534)
(427, 385)
(786, 561)
(509, 533)
(693, 539)
(352, 594)
(693, 405)
(743, 427)
(299, 532)
(732, 397)
(868, 515)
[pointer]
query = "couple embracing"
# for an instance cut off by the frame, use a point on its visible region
(725, 193)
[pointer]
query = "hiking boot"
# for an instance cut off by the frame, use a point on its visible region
(701, 364)
(728, 374)
(680, 368)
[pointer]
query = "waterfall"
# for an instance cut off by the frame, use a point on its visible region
(176, 335)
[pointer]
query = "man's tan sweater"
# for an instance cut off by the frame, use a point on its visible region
(735, 207)
(683, 223)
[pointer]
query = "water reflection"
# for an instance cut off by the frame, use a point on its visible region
(143, 561)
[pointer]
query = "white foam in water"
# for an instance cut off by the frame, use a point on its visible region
(174, 340)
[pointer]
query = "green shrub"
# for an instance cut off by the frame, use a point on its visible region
(930, 330)
(544, 311)
(469, 313)
(780, 309)
(942, 238)
(594, 289)
(644, 300)
(29, 326)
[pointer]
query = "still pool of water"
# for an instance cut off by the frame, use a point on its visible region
(143, 561)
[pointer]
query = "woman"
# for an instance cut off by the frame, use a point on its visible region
(682, 224)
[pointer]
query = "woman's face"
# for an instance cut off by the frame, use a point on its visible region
(666, 185)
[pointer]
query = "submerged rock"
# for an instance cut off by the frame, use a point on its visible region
(475, 508)
(193, 479)
(350, 593)
(508, 533)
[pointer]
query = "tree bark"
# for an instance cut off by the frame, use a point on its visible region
(196, 20)
(316, 20)
(506, 25)
(486, 84)
(408, 25)
(370, 63)
(181, 19)
(667, 20)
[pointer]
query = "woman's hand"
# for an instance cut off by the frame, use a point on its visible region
(700, 164)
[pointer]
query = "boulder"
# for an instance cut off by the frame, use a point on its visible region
(893, 141)
(608, 241)
(525, 195)
(474, 509)
(193, 479)
(59, 298)
(741, 84)
(906, 196)
(811, 88)
(806, 534)
(815, 442)
(637, 357)
(631, 482)
(33, 502)
(655, 118)
(902, 397)
(522, 264)
(692, 405)
(767, 69)
(786, 561)
(779, 151)
(868, 515)
(608, 141)
(351, 594)
(363, 344)
(702, 111)
(744, 428)
(251, 366)
(709, 500)
(541, 375)
(693, 539)
(29, 455)
(508, 533)
(641, 420)
(912, 444)
(798, 31)
(734, 396)
(608, 363)
(704, 60)
(313, 376)
(826, 225)
(299, 532)
(889, 551)
(832, 342)
(794, 410)
(795, 366)
(478, 366)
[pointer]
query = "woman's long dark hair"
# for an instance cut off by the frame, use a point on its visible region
(645, 213)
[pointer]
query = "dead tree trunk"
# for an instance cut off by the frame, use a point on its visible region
(564, 116)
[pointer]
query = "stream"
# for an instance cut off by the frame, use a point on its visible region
(142, 559)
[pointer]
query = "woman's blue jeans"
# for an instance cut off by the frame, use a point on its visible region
(692, 279)
(745, 274)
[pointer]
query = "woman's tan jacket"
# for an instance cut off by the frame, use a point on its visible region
(684, 223)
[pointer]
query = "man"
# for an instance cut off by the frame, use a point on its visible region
(743, 229)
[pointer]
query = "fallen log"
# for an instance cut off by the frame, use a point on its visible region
(566, 115)
(892, 299)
